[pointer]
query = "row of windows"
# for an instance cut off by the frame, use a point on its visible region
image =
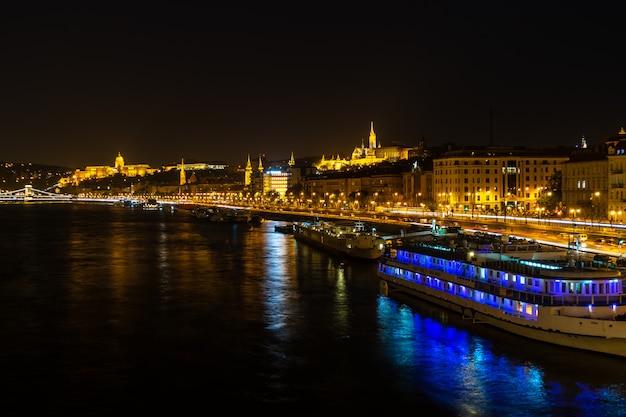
(504, 163)
(487, 180)
(564, 287)
(617, 195)
(506, 305)
(446, 173)
(517, 281)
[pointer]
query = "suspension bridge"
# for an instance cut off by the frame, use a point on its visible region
(30, 194)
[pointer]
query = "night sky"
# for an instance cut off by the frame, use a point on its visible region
(216, 82)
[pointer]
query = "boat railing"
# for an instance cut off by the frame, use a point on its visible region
(534, 297)
(519, 268)
(550, 299)
(459, 254)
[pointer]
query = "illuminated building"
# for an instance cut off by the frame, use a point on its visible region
(584, 184)
(493, 179)
(593, 180)
(273, 180)
(102, 171)
(615, 188)
(248, 173)
(276, 180)
(183, 177)
(197, 166)
(373, 154)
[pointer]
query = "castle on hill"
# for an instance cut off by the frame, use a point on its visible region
(373, 153)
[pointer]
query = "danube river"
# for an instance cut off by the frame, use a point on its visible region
(106, 310)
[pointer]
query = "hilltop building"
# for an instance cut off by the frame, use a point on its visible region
(102, 171)
(373, 154)
(197, 166)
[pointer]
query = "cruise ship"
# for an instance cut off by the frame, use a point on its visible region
(549, 294)
(354, 240)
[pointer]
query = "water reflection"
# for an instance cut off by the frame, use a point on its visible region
(341, 308)
(466, 371)
(106, 309)
(279, 284)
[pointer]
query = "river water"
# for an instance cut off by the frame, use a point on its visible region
(107, 310)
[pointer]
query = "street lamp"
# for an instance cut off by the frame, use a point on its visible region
(507, 196)
(613, 214)
(591, 203)
(540, 211)
(574, 213)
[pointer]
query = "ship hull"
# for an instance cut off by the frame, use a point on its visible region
(601, 336)
(367, 247)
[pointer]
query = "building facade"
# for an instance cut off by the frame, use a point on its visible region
(493, 180)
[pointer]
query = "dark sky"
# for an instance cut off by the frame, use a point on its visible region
(216, 82)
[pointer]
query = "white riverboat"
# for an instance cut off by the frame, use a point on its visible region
(152, 204)
(353, 240)
(532, 290)
(226, 214)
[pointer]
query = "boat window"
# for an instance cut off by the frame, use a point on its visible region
(529, 309)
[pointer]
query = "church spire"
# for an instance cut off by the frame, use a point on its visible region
(372, 142)
(183, 176)
(260, 164)
(248, 173)
(292, 161)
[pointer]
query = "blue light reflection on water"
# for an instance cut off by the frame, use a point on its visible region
(461, 369)
(102, 306)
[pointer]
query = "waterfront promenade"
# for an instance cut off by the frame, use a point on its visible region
(545, 230)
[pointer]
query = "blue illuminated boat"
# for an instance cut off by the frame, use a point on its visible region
(540, 292)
